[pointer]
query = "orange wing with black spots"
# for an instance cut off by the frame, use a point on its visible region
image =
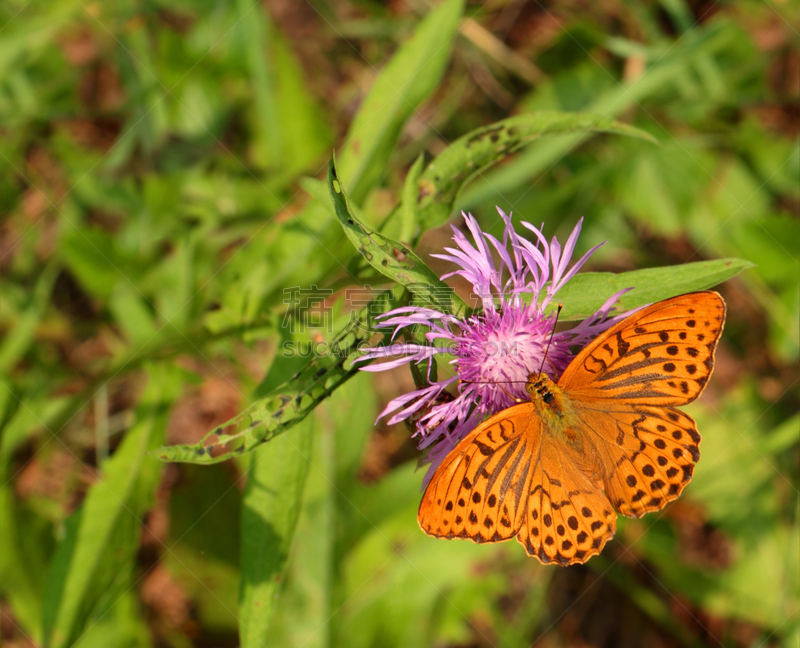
(480, 489)
(624, 386)
(569, 518)
(660, 355)
(502, 481)
(607, 436)
(647, 454)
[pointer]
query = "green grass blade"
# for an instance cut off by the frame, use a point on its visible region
(408, 215)
(290, 132)
(23, 596)
(272, 503)
(17, 341)
(92, 565)
(410, 77)
(21, 577)
(255, 34)
(447, 175)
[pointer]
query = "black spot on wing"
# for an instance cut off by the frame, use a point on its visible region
(622, 345)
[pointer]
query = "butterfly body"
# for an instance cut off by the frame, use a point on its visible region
(552, 405)
(606, 436)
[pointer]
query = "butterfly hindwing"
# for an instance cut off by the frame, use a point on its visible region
(569, 519)
(480, 490)
(647, 454)
(661, 355)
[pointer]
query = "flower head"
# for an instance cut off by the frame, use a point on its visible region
(496, 350)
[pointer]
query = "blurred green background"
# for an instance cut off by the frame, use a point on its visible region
(154, 206)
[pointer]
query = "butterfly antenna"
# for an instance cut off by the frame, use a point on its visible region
(498, 385)
(552, 333)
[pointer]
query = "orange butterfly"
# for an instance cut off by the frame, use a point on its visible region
(551, 471)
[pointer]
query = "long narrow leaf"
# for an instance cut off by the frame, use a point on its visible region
(272, 503)
(93, 563)
(471, 155)
(21, 579)
(410, 77)
(17, 341)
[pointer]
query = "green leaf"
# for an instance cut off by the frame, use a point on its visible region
(272, 503)
(305, 613)
(413, 73)
(21, 540)
(586, 292)
(474, 153)
(306, 131)
(392, 258)
(17, 341)
(131, 312)
(254, 27)
(408, 216)
(290, 132)
(93, 564)
(288, 403)
(24, 596)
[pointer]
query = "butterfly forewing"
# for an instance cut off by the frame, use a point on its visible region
(647, 454)
(661, 355)
(481, 488)
(569, 519)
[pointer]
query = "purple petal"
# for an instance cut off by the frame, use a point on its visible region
(569, 248)
(573, 271)
(538, 265)
(418, 399)
(418, 354)
(539, 236)
(510, 236)
(555, 252)
(492, 352)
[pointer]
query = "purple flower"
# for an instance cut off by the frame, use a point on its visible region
(496, 350)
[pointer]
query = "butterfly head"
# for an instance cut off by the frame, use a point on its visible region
(541, 387)
(553, 405)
